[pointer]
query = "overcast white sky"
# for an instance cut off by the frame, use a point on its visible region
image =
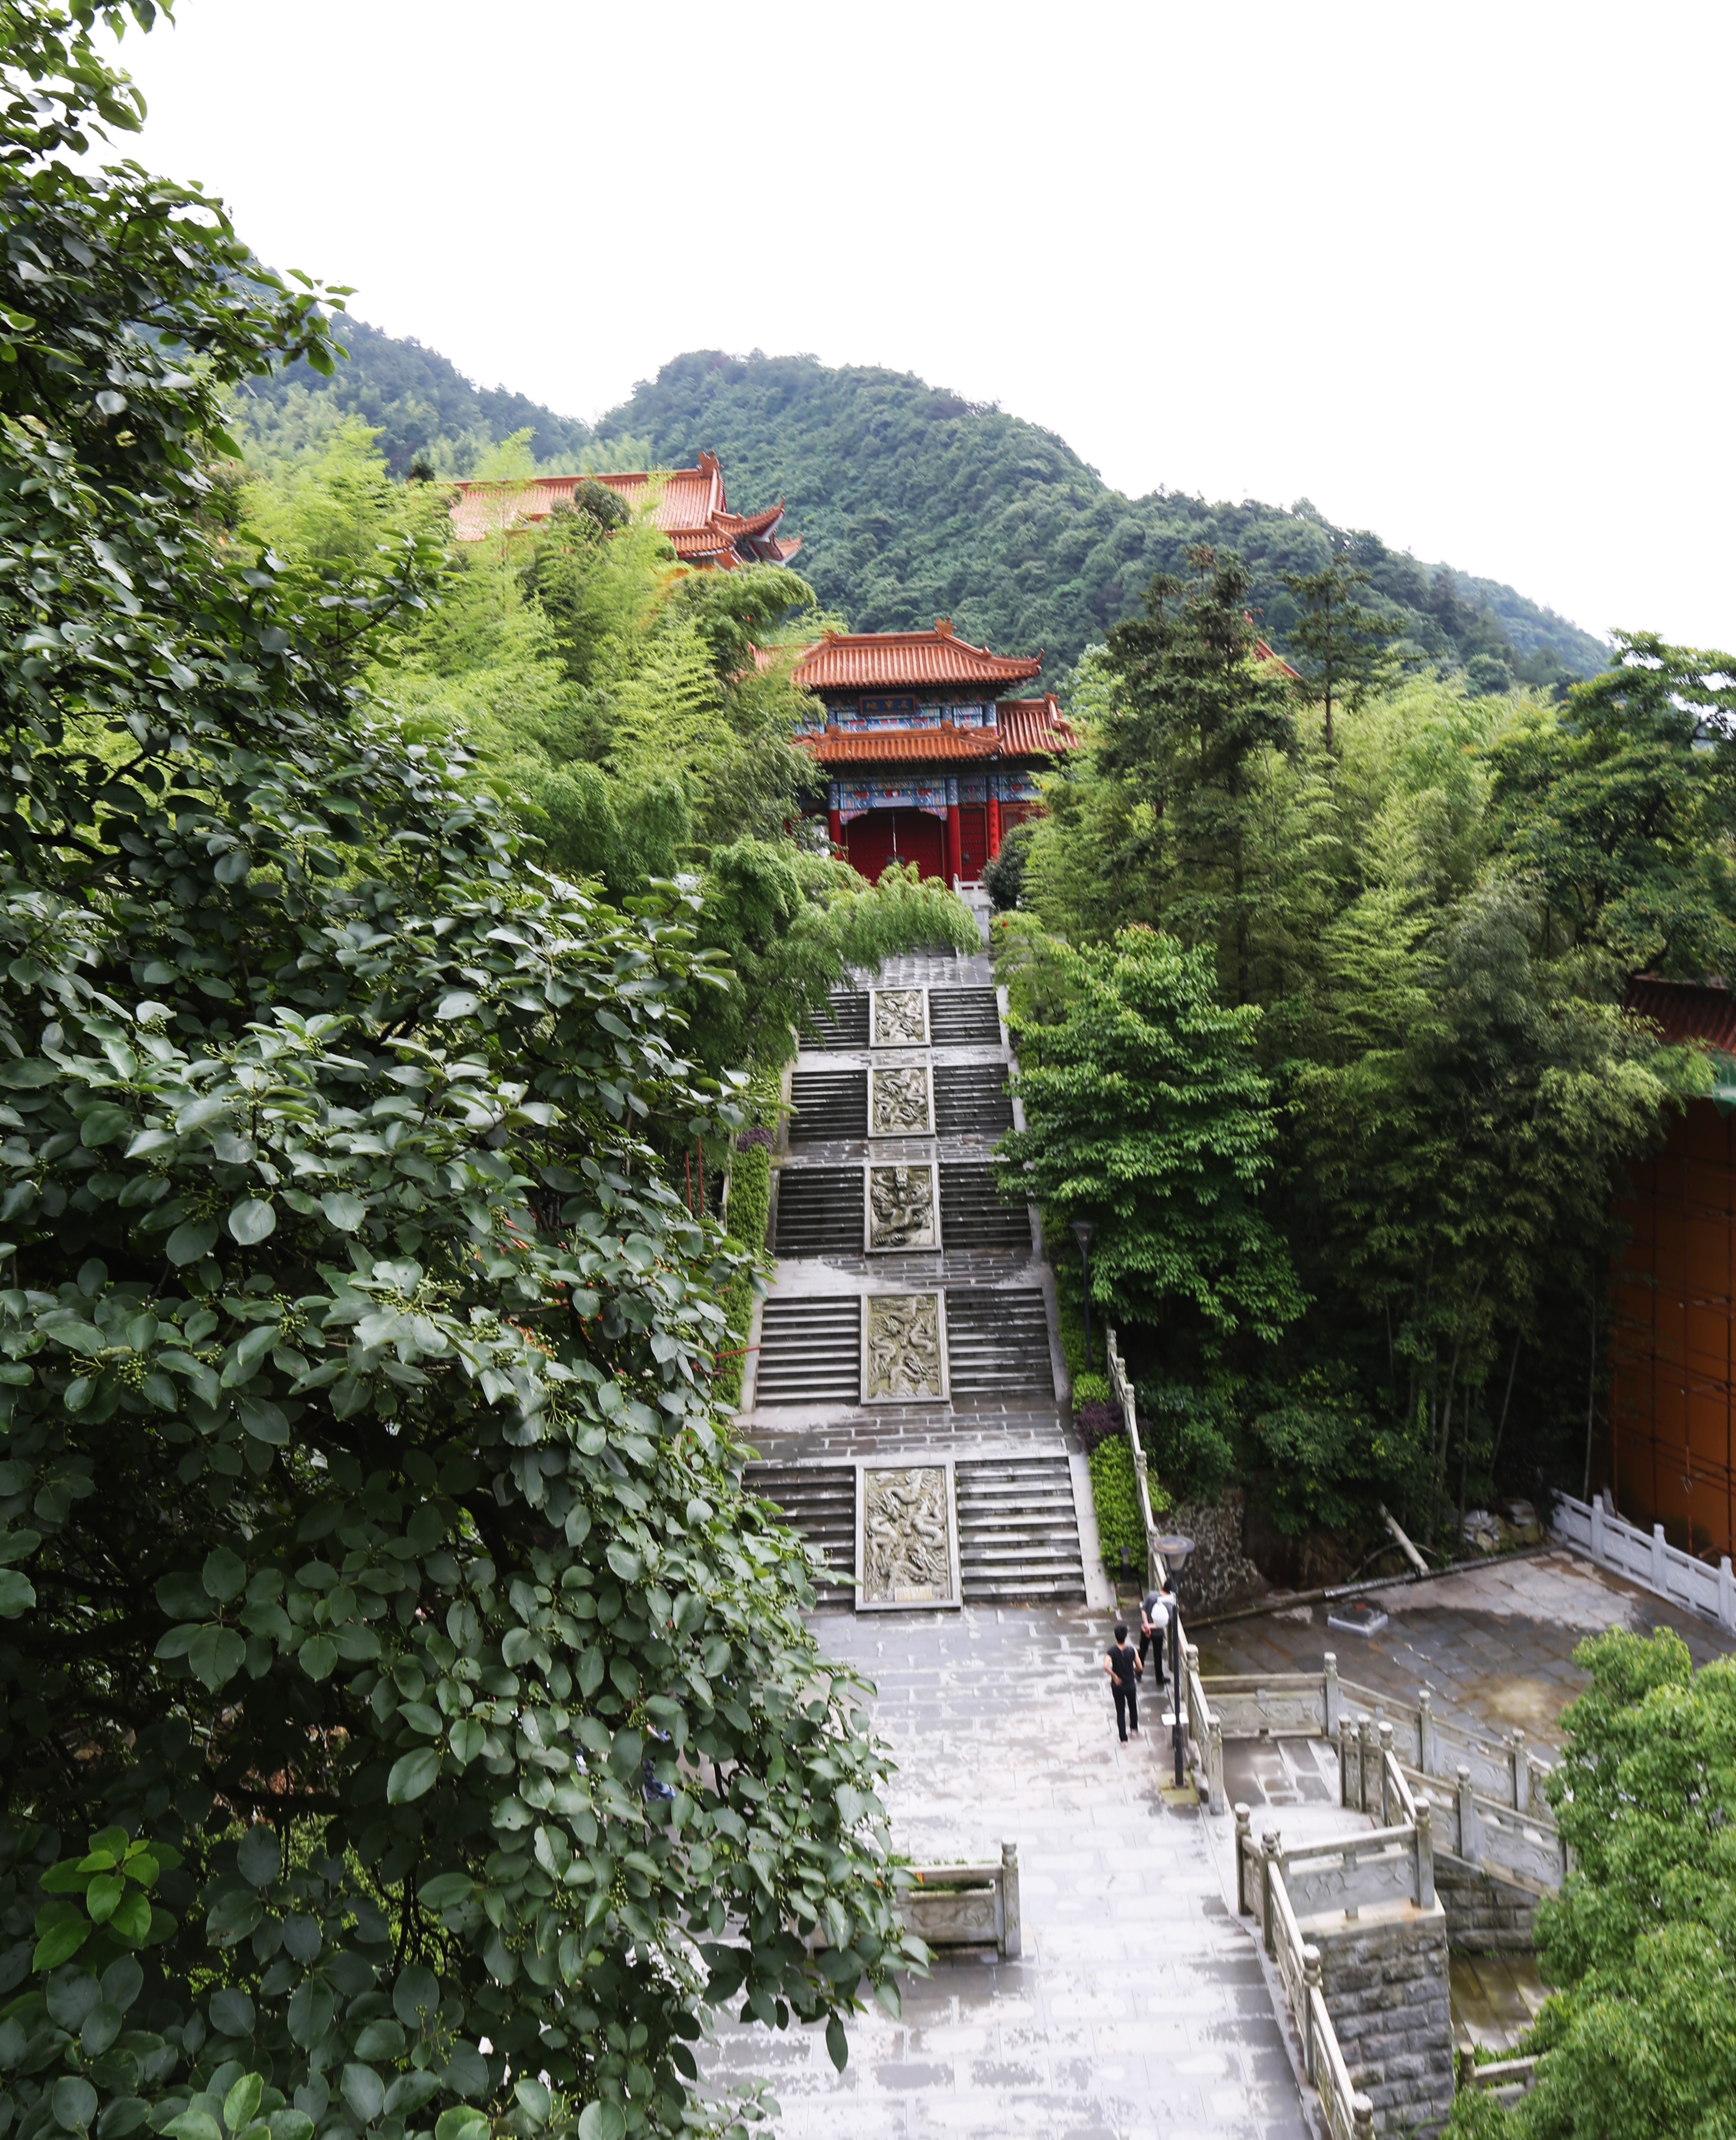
(1459, 273)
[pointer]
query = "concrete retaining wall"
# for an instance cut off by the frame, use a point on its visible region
(1385, 1978)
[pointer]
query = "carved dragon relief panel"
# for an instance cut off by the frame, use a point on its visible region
(907, 1553)
(901, 1343)
(901, 1207)
(900, 1018)
(900, 1103)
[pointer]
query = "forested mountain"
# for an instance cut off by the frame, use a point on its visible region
(914, 503)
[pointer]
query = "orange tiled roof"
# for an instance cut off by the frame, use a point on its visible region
(892, 660)
(1029, 728)
(690, 509)
(1035, 728)
(882, 746)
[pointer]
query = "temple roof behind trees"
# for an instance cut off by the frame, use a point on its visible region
(908, 660)
(690, 507)
(1687, 1011)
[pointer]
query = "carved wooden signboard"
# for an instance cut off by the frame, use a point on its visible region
(900, 1103)
(903, 1357)
(907, 1537)
(900, 1018)
(901, 1207)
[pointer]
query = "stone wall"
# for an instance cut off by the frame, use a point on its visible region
(1219, 1571)
(1484, 1915)
(1385, 1979)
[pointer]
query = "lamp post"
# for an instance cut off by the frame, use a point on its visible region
(1175, 1551)
(1083, 1229)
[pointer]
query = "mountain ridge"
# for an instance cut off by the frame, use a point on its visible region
(914, 502)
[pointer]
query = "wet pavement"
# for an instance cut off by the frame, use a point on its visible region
(1139, 2009)
(1495, 1645)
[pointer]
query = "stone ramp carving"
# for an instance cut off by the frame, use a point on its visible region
(1019, 1536)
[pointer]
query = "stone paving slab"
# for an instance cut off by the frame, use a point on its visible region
(1139, 2009)
(1494, 1644)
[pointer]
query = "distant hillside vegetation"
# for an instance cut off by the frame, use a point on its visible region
(914, 503)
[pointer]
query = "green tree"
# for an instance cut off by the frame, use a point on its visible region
(372, 1548)
(1192, 716)
(1341, 646)
(1147, 1112)
(1620, 804)
(1640, 2037)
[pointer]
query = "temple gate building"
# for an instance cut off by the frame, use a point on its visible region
(926, 762)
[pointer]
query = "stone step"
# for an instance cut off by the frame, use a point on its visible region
(810, 1351)
(970, 1099)
(958, 1015)
(818, 1501)
(1018, 1533)
(843, 1024)
(830, 1105)
(974, 1214)
(819, 1211)
(997, 1343)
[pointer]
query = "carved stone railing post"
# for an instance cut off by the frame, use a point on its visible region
(1334, 1699)
(1271, 1850)
(1350, 1762)
(1243, 1836)
(1466, 1812)
(1387, 1816)
(1367, 1759)
(1362, 2118)
(1520, 1763)
(1424, 1854)
(1425, 1749)
(1214, 1764)
(1012, 1934)
(1311, 1985)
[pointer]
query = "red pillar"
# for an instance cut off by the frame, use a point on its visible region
(994, 824)
(954, 844)
(834, 819)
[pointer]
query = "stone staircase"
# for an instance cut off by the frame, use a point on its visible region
(999, 1419)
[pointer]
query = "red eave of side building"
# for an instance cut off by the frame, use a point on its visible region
(1686, 1011)
(908, 660)
(1035, 728)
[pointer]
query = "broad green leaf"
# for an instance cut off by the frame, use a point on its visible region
(216, 1654)
(260, 1856)
(60, 1943)
(602, 2121)
(412, 1775)
(75, 2103)
(365, 2092)
(311, 2009)
(224, 1574)
(190, 1241)
(343, 1211)
(534, 2099)
(461, 2122)
(317, 1656)
(103, 1124)
(17, 1594)
(253, 1219)
(241, 2102)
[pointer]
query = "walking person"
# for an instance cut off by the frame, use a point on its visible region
(1122, 1663)
(1156, 1607)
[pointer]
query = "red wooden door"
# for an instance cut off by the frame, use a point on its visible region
(869, 840)
(910, 835)
(973, 842)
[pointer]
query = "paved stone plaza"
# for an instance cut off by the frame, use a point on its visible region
(1494, 1644)
(1137, 2009)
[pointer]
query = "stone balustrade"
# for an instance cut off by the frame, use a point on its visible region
(953, 1905)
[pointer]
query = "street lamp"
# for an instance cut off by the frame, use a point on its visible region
(1083, 1229)
(1175, 1551)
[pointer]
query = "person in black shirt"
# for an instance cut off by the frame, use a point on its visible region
(1124, 1668)
(1155, 1609)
